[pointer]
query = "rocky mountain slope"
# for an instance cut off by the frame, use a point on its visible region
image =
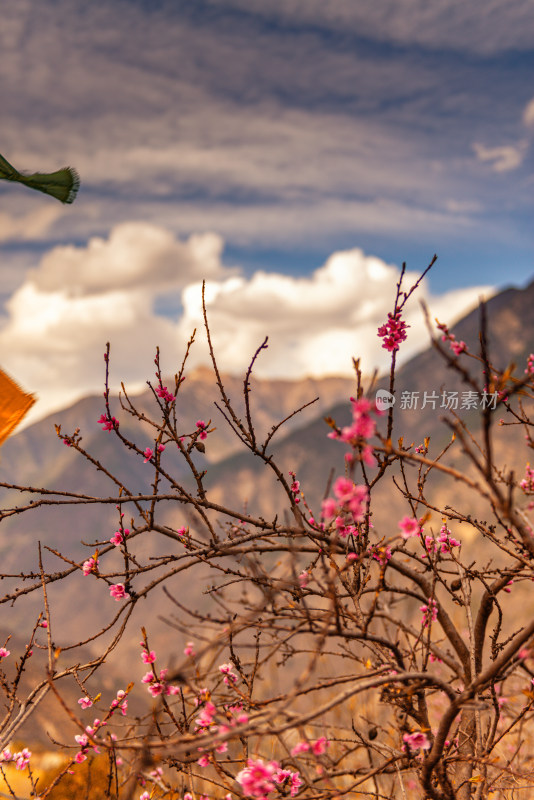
(37, 457)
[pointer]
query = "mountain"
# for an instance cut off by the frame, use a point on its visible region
(234, 477)
(312, 455)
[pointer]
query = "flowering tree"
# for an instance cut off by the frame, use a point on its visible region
(337, 659)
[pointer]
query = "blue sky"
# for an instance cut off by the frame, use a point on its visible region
(283, 150)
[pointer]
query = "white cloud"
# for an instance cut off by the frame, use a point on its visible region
(58, 321)
(137, 254)
(501, 159)
(315, 324)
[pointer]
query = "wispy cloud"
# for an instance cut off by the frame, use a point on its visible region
(501, 159)
(488, 26)
(204, 110)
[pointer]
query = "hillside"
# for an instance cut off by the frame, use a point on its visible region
(37, 457)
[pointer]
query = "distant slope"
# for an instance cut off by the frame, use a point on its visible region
(234, 478)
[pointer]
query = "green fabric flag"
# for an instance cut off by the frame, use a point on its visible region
(63, 184)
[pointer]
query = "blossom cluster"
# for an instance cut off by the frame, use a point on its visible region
(416, 740)
(230, 678)
(119, 537)
(118, 591)
(410, 527)
(360, 430)
(201, 426)
(20, 759)
(444, 543)
(349, 499)
(456, 346)
(393, 332)
(157, 684)
(317, 748)
(295, 487)
(108, 423)
(87, 741)
(527, 484)
(90, 565)
(430, 612)
(205, 721)
(380, 554)
(530, 365)
(164, 393)
(258, 778)
(82, 739)
(149, 452)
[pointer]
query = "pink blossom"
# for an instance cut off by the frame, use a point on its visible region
(4, 653)
(148, 657)
(91, 565)
(300, 747)
(118, 592)
(430, 612)
(256, 777)
(203, 761)
(229, 676)
(121, 702)
(381, 554)
(22, 759)
(161, 448)
(351, 497)
(119, 537)
(343, 489)
(288, 778)
(393, 332)
(319, 747)
(148, 454)
(80, 757)
(85, 702)
(164, 393)
(367, 455)
(530, 365)
(527, 484)
(304, 577)
(295, 487)
(330, 507)
(416, 740)
(446, 540)
(108, 424)
(188, 649)
(206, 716)
(410, 527)
(201, 425)
(458, 347)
